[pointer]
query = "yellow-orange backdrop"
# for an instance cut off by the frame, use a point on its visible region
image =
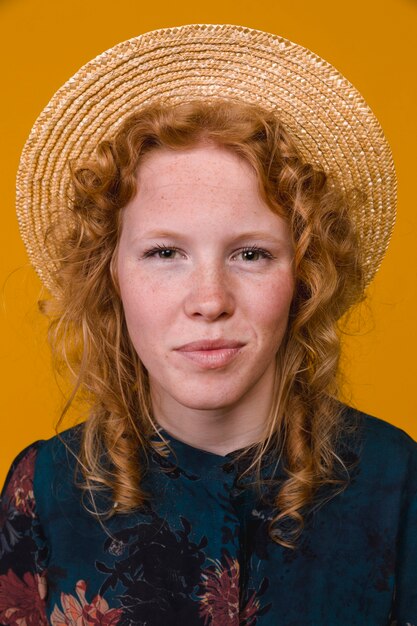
(43, 43)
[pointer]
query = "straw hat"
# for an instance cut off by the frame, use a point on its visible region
(330, 122)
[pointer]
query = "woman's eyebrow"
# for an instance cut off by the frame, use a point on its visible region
(157, 234)
(260, 234)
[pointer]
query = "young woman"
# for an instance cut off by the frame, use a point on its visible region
(204, 204)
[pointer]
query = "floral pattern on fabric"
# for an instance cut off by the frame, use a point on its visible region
(219, 598)
(22, 575)
(198, 552)
(159, 566)
(20, 600)
(18, 503)
(19, 492)
(77, 611)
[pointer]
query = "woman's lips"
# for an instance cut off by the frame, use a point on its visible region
(211, 354)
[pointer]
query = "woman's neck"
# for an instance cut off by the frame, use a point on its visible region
(219, 430)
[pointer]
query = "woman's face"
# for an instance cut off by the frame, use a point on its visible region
(206, 278)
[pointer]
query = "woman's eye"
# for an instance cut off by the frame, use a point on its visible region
(161, 252)
(167, 253)
(254, 254)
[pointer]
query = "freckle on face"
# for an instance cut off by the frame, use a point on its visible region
(205, 203)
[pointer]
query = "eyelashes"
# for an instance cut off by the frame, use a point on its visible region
(162, 250)
(253, 253)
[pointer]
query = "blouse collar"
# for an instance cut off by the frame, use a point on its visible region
(200, 463)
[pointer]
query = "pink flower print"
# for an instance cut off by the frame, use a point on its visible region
(21, 601)
(20, 488)
(79, 612)
(219, 602)
(249, 611)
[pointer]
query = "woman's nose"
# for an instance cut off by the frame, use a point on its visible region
(210, 294)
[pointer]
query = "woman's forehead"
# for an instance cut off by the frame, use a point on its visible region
(207, 163)
(200, 179)
(202, 185)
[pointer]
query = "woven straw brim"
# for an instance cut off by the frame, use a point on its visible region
(330, 122)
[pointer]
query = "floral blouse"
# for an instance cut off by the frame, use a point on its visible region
(199, 552)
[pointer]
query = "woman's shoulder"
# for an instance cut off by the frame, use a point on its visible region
(382, 447)
(62, 446)
(375, 430)
(42, 455)
(17, 493)
(41, 478)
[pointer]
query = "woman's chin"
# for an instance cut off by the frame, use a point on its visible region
(198, 397)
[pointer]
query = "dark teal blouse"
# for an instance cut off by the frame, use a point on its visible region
(198, 553)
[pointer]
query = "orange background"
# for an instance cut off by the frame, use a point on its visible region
(372, 43)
